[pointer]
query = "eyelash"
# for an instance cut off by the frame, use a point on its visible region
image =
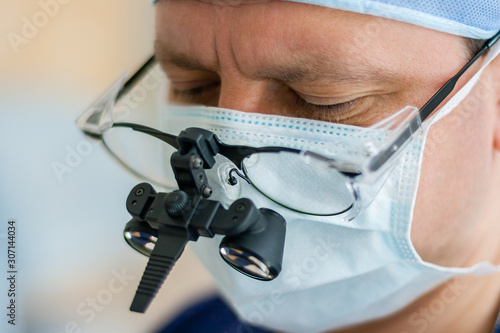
(195, 93)
(316, 108)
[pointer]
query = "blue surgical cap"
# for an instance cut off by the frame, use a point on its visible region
(468, 18)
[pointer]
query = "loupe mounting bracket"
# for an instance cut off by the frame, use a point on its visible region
(186, 214)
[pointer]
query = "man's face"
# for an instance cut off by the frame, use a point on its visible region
(308, 61)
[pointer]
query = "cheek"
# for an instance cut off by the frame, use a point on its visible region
(453, 183)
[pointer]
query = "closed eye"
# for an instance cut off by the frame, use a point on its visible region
(195, 94)
(326, 112)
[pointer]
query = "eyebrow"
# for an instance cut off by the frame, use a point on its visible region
(169, 56)
(306, 71)
(302, 70)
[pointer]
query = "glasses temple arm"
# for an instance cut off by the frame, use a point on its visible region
(165, 137)
(136, 77)
(427, 109)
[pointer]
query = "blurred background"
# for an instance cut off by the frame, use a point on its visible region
(67, 196)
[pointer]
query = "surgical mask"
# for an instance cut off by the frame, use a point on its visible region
(335, 273)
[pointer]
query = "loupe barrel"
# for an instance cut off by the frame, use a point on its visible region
(258, 253)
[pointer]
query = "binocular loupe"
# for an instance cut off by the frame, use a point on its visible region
(163, 223)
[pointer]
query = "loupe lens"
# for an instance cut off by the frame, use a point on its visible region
(140, 241)
(258, 251)
(141, 237)
(247, 263)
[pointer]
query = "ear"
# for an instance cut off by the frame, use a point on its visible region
(496, 82)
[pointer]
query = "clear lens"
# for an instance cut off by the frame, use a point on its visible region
(141, 103)
(144, 155)
(289, 180)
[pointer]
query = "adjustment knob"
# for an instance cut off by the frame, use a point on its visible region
(176, 203)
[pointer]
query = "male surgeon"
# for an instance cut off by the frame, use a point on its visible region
(421, 254)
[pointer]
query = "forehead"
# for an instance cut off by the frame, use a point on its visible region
(266, 33)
